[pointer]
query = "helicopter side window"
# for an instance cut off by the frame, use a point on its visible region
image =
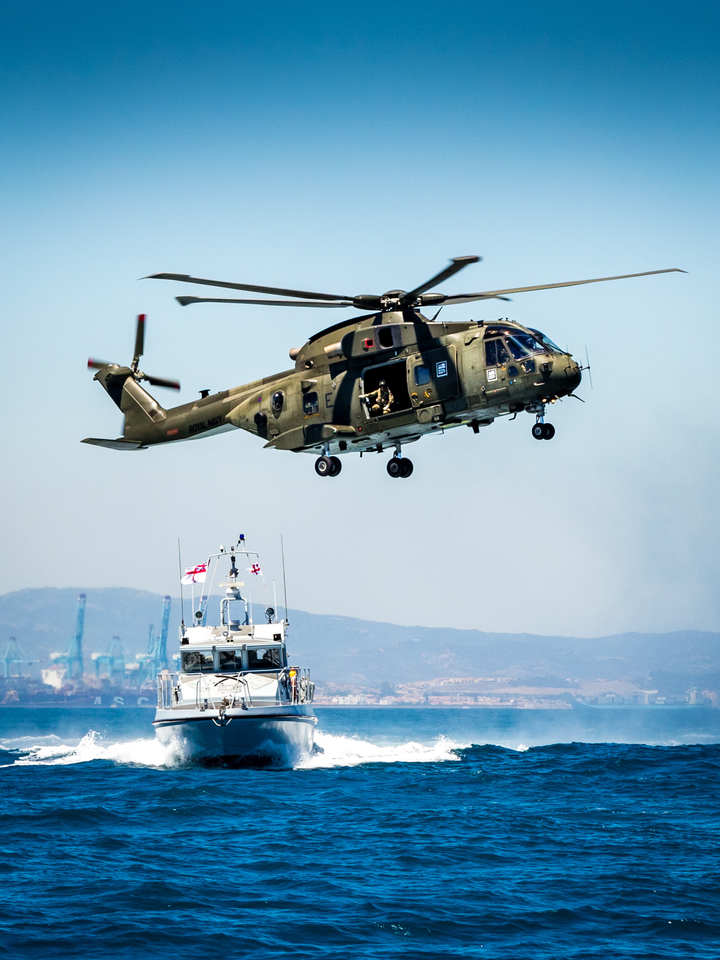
(199, 661)
(491, 353)
(264, 658)
(230, 661)
(310, 404)
(422, 375)
(528, 366)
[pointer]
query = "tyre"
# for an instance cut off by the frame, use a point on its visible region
(336, 466)
(406, 467)
(548, 431)
(394, 467)
(323, 467)
(538, 431)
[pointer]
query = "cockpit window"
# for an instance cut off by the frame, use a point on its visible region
(496, 353)
(499, 332)
(547, 342)
(523, 344)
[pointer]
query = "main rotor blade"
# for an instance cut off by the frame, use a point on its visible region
(456, 264)
(97, 364)
(280, 291)
(160, 382)
(186, 301)
(139, 337)
(466, 298)
(489, 294)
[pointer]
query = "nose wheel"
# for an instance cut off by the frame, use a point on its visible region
(328, 466)
(400, 467)
(543, 431)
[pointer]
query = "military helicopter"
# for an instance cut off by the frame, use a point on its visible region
(372, 383)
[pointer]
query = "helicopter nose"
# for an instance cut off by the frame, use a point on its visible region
(572, 377)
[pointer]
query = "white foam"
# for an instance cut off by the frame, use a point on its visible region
(144, 752)
(340, 751)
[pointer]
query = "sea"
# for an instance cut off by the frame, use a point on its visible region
(415, 833)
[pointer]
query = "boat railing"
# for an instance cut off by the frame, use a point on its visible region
(294, 686)
(298, 685)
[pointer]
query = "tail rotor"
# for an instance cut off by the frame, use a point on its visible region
(133, 370)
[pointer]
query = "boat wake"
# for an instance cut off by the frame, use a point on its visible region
(340, 751)
(53, 751)
(331, 751)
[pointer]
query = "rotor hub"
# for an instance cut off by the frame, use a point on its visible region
(392, 300)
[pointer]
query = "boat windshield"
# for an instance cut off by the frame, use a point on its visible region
(264, 658)
(547, 342)
(198, 661)
(230, 661)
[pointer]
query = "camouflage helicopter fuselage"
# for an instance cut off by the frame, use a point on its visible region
(440, 375)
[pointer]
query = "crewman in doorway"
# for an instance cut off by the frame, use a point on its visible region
(379, 401)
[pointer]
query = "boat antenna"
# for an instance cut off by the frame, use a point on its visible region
(282, 553)
(182, 603)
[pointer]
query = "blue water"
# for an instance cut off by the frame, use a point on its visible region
(403, 839)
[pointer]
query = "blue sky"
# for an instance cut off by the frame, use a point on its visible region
(356, 148)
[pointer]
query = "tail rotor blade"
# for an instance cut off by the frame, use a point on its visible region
(160, 382)
(587, 367)
(139, 340)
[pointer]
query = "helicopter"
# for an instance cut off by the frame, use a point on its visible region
(375, 382)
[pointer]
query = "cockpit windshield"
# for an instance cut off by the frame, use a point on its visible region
(547, 342)
(523, 344)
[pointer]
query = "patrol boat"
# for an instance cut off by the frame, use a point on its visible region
(235, 697)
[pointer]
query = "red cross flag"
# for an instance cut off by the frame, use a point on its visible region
(255, 568)
(195, 574)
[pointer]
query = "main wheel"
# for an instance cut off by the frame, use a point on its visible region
(406, 467)
(538, 431)
(336, 466)
(324, 467)
(548, 431)
(394, 467)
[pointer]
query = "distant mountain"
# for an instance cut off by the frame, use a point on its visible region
(362, 652)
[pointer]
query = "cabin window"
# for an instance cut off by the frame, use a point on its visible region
(422, 375)
(278, 398)
(198, 661)
(230, 660)
(528, 366)
(310, 404)
(264, 658)
(491, 353)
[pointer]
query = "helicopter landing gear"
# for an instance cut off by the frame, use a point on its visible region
(398, 467)
(328, 466)
(543, 431)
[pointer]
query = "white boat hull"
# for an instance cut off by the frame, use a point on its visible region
(282, 734)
